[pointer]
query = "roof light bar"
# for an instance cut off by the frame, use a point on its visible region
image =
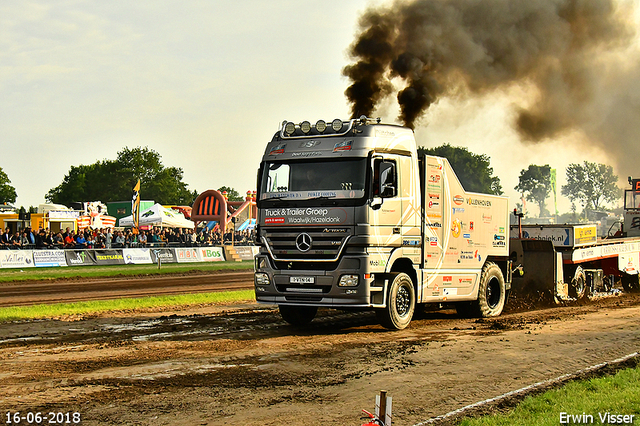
(321, 126)
(305, 126)
(336, 125)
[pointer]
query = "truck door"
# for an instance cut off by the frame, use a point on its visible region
(386, 206)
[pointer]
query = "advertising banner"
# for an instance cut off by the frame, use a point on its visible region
(247, 252)
(305, 216)
(165, 255)
(109, 257)
(47, 258)
(80, 257)
(137, 256)
(185, 255)
(16, 259)
(212, 254)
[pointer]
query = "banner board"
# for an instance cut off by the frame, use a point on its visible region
(137, 256)
(165, 255)
(212, 254)
(80, 257)
(48, 258)
(16, 259)
(185, 255)
(109, 257)
(247, 252)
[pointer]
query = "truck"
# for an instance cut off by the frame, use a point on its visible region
(351, 217)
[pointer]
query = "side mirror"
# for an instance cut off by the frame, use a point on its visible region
(376, 203)
(388, 180)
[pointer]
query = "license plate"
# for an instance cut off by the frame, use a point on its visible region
(302, 280)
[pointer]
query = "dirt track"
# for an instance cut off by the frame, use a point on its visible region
(241, 365)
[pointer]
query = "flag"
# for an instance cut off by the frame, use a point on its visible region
(554, 188)
(135, 205)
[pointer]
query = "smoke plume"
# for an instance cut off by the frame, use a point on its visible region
(437, 48)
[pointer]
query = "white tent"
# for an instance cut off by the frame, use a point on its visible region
(159, 216)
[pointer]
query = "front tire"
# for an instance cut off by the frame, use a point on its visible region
(401, 303)
(492, 293)
(298, 315)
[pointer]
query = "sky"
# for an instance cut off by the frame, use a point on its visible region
(206, 84)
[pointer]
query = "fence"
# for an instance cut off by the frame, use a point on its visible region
(71, 257)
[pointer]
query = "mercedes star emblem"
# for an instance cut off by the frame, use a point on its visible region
(303, 242)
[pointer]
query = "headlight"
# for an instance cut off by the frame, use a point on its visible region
(289, 128)
(348, 281)
(261, 278)
(321, 126)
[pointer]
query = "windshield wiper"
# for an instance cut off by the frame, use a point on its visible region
(322, 197)
(274, 198)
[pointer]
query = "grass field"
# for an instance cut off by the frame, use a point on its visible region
(604, 400)
(93, 307)
(8, 275)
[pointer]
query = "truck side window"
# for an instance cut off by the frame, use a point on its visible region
(385, 183)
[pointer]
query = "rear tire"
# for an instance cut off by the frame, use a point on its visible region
(401, 303)
(630, 282)
(492, 293)
(298, 315)
(578, 285)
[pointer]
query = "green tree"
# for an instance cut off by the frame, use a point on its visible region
(535, 183)
(113, 180)
(7, 192)
(232, 194)
(473, 170)
(591, 184)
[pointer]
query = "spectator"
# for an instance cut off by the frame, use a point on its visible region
(24, 240)
(70, 240)
(143, 238)
(58, 241)
(107, 238)
(119, 241)
(16, 241)
(41, 240)
(81, 241)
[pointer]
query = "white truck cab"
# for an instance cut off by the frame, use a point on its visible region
(349, 216)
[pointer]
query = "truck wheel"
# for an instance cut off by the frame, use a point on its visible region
(492, 293)
(630, 282)
(401, 302)
(298, 315)
(578, 286)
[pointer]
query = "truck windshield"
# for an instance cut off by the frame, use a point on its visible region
(307, 180)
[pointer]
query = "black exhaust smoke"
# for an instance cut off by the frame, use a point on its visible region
(460, 48)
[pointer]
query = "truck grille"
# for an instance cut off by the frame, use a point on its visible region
(306, 244)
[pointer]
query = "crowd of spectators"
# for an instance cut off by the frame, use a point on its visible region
(107, 238)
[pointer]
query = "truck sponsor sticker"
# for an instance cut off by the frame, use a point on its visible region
(305, 216)
(478, 202)
(458, 199)
(456, 228)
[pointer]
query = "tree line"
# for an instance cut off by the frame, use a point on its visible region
(589, 184)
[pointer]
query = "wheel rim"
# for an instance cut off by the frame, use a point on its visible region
(403, 301)
(493, 293)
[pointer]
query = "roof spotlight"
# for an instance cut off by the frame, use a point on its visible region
(321, 126)
(289, 128)
(336, 125)
(305, 126)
